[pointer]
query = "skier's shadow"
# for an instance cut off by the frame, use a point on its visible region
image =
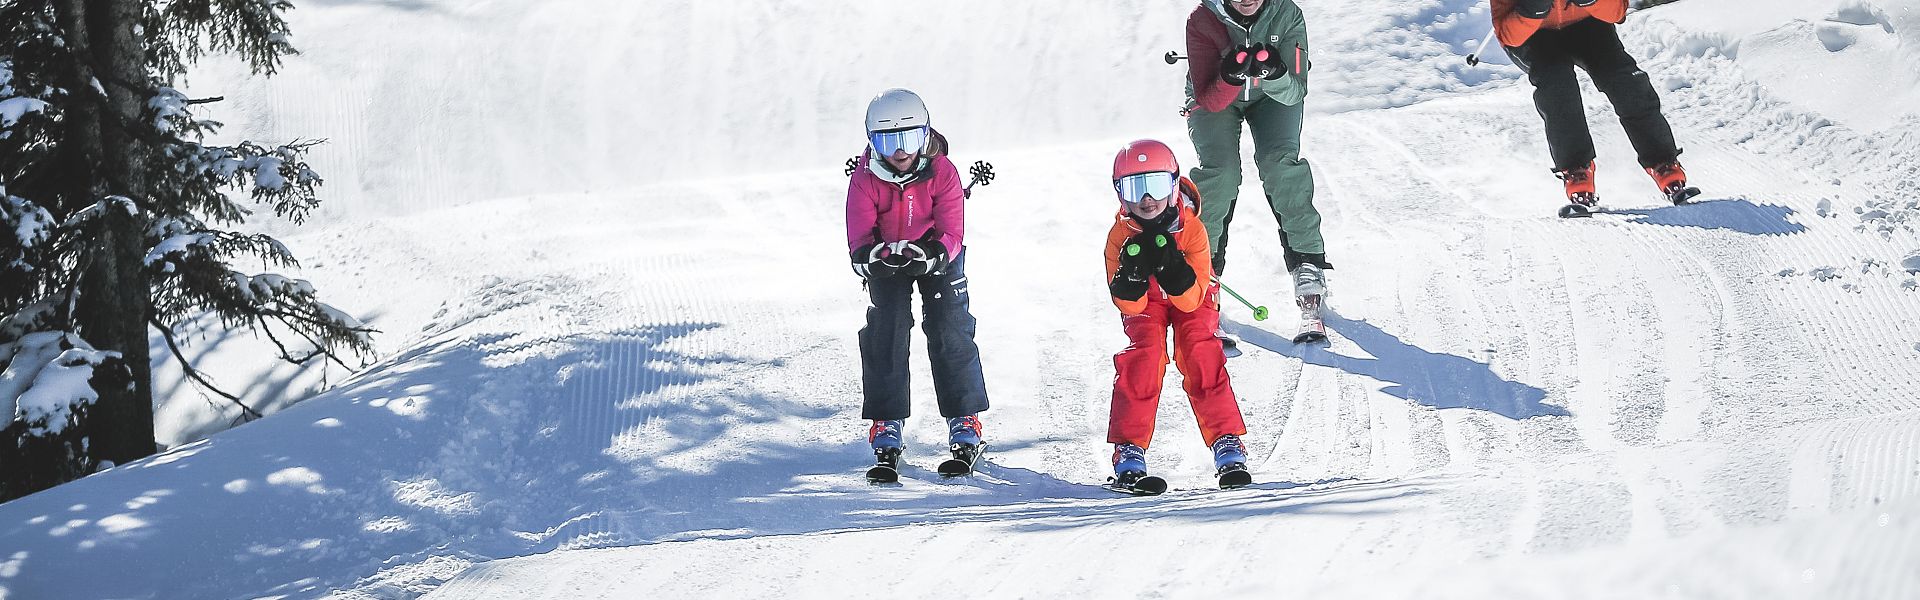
(1732, 214)
(1429, 378)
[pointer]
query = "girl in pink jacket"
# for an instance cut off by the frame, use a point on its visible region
(905, 227)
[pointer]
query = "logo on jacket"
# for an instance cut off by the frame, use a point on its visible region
(1273, 39)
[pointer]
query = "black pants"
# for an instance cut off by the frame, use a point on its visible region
(955, 358)
(1548, 59)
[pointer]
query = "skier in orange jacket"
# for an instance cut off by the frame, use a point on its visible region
(1160, 274)
(1547, 39)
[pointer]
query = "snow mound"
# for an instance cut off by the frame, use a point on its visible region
(1851, 61)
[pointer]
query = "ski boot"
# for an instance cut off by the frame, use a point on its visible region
(963, 440)
(1130, 472)
(1309, 293)
(1581, 197)
(1673, 182)
(884, 435)
(1230, 462)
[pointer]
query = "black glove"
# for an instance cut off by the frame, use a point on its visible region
(1535, 9)
(1148, 249)
(1584, 3)
(924, 257)
(1266, 62)
(869, 262)
(1140, 257)
(1176, 276)
(1129, 283)
(1233, 66)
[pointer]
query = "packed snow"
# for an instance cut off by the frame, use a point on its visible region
(607, 264)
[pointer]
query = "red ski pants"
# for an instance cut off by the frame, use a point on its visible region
(1140, 369)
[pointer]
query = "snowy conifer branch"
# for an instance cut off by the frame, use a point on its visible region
(278, 176)
(254, 29)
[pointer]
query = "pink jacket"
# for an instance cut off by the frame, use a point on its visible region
(882, 211)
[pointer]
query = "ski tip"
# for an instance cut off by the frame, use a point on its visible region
(882, 475)
(1145, 486)
(1151, 486)
(954, 467)
(1684, 196)
(1310, 337)
(1236, 478)
(1575, 211)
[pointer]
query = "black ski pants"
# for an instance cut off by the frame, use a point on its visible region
(957, 381)
(1548, 58)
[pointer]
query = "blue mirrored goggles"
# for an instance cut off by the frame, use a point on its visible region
(910, 141)
(1158, 184)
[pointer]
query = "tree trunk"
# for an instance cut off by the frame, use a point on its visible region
(113, 304)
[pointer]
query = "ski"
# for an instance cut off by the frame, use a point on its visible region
(1683, 195)
(1313, 329)
(965, 456)
(1138, 484)
(1235, 475)
(886, 467)
(1229, 343)
(1576, 210)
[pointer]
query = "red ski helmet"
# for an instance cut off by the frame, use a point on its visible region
(1145, 168)
(1144, 156)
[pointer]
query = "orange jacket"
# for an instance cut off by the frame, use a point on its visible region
(1189, 235)
(1515, 29)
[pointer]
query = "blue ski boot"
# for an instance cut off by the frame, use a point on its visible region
(963, 440)
(887, 445)
(1230, 462)
(1130, 472)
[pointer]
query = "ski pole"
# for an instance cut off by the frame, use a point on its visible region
(982, 174)
(1259, 312)
(1173, 57)
(1473, 60)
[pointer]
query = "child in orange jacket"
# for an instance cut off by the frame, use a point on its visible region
(1160, 274)
(1547, 39)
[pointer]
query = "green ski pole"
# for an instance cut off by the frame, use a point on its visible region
(1259, 312)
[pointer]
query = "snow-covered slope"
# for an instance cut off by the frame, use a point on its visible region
(621, 339)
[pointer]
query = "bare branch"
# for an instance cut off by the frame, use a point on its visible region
(187, 367)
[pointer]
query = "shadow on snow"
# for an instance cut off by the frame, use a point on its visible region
(1733, 214)
(472, 448)
(1429, 378)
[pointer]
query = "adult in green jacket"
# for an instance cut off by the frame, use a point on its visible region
(1248, 63)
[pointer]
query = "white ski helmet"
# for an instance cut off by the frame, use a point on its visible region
(896, 108)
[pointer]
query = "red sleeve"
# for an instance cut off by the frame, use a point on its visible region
(1513, 28)
(1206, 43)
(949, 205)
(1611, 11)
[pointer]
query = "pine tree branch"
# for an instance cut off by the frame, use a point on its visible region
(187, 367)
(316, 344)
(284, 315)
(284, 353)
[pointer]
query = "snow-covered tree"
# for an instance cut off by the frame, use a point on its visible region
(117, 220)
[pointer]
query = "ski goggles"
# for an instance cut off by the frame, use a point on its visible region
(1158, 184)
(910, 141)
